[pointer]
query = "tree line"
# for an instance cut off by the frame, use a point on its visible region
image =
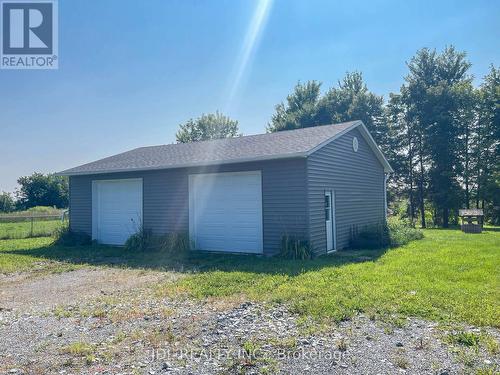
(37, 189)
(440, 133)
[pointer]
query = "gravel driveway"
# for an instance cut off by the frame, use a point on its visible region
(111, 321)
(22, 292)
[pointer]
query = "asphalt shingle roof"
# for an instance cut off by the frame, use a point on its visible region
(229, 150)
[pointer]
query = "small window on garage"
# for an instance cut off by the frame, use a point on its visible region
(328, 204)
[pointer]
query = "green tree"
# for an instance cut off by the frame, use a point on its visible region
(6, 202)
(436, 90)
(300, 109)
(42, 190)
(468, 122)
(487, 152)
(206, 127)
(352, 100)
(403, 143)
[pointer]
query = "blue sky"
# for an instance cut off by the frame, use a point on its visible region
(131, 71)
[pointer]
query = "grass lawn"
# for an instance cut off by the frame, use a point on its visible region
(448, 276)
(22, 229)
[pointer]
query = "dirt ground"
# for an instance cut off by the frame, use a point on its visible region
(22, 292)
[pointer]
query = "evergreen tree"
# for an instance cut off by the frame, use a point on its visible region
(487, 151)
(403, 146)
(435, 91)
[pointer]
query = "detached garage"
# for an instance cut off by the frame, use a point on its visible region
(238, 194)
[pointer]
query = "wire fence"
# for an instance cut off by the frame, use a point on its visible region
(29, 226)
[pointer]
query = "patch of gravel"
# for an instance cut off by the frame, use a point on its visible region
(130, 329)
(21, 292)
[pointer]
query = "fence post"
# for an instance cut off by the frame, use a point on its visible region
(31, 232)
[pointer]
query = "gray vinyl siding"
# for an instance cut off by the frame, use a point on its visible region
(166, 198)
(357, 178)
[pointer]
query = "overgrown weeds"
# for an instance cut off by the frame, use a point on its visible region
(175, 243)
(295, 248)
(469, 339)
(64, 236)
(396, 232)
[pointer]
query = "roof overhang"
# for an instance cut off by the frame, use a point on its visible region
(188, 165)
(356, 125)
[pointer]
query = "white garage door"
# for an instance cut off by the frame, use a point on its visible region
(225, 211)
(116, 210)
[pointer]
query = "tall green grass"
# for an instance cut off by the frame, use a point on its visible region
(35, 211)
(24, 229)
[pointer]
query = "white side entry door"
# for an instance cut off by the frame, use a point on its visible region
(330, 221)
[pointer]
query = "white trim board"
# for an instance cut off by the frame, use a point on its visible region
(334, 221)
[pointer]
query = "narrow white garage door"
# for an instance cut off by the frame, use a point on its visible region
(225, 211)
(116, 210)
